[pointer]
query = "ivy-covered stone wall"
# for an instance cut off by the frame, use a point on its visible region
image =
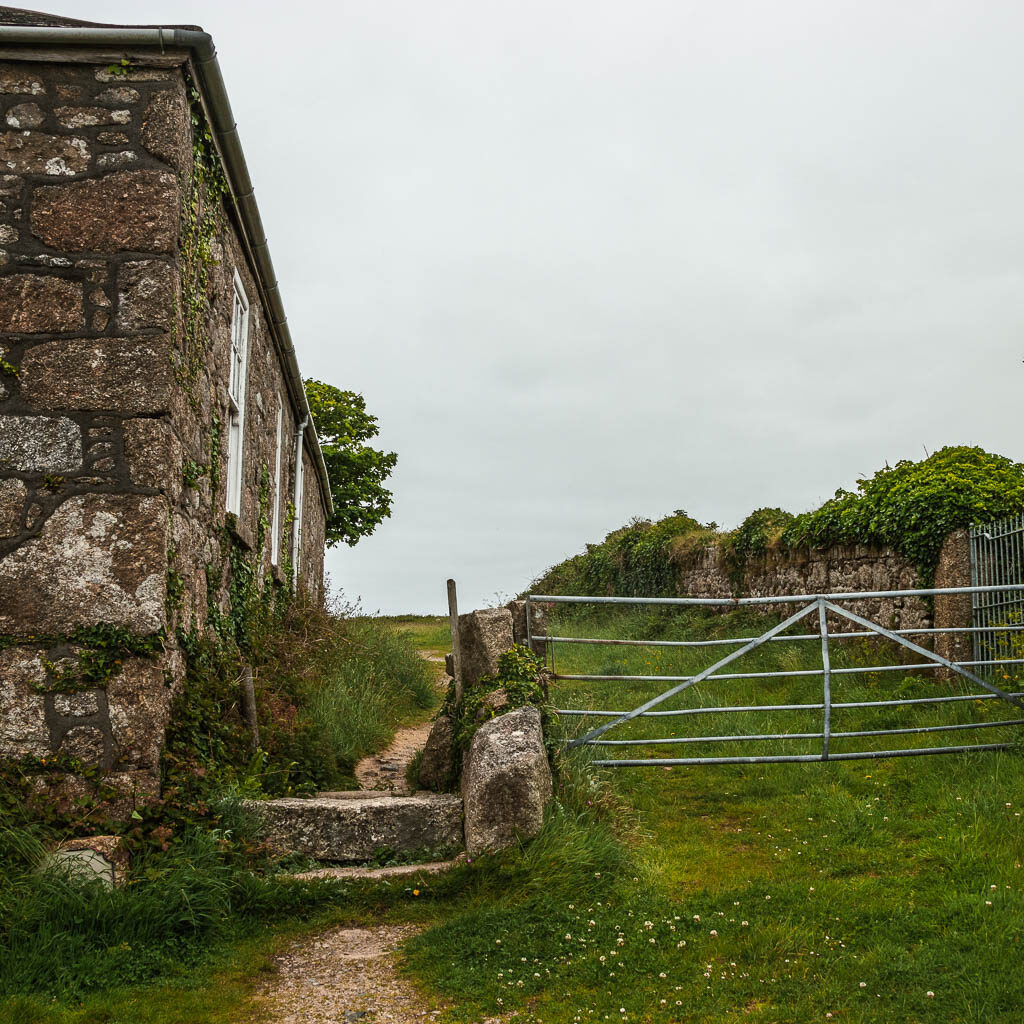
(117, 256)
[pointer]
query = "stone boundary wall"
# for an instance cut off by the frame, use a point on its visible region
(847, 569)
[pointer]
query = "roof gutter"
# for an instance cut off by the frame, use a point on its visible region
(211, 85)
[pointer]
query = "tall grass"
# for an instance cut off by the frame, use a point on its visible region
(368, 679)
(330, 688)
(64, 936)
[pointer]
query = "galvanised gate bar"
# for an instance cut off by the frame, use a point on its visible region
(816, 607)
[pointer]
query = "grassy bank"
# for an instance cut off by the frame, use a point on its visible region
(874, 891)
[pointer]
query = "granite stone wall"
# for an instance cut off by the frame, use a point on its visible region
(113, 531)
(847, 569)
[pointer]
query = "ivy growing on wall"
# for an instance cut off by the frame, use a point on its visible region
(202, 217)
(100, 652)
(914, 506)
(911, 507)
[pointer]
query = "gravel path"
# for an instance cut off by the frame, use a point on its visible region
(346, 975)
(343, 975)
(387, 770)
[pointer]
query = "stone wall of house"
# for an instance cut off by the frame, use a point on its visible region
(198, 439)
(113, 534)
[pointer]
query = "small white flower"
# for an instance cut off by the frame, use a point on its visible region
(714, 934)
(930, 994)
(744, 923)
(863, 984)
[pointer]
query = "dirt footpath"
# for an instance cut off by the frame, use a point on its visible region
(387, 770)
(343, 975)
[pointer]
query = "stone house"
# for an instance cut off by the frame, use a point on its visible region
(156, 445)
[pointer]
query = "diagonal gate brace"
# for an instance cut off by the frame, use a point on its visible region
(629, 716)
(889, 635)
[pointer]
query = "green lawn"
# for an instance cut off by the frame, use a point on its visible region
(871, 891)
(429, 633)
(876, 891)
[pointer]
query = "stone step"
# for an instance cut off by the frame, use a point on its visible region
(354, 829)
(375, 874)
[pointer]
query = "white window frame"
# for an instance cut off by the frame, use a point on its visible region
(237, 377)
(300, 484)
(275, 532)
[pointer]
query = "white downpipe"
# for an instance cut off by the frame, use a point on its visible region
(297, 523)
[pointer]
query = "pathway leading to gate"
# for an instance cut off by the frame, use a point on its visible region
(388, 769)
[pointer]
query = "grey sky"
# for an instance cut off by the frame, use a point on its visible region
(593, 260)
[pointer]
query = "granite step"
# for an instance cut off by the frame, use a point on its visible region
(352, 828)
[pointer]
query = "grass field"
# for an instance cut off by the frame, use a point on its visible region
(875, 891)
(871, 891)
(429, 633)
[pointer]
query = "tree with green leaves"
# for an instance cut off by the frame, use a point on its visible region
(356, 471)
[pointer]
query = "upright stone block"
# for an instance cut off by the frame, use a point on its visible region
(23, 728)
(165, 129)
(146, 295)
(484, 636)
(506, 782)
(154, 455)
(13, 494)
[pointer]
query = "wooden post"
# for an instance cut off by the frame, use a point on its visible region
(453, 623)
(249, 706)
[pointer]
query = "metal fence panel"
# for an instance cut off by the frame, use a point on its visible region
(997, 565)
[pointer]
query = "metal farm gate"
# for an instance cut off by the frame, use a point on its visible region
(997, 605)
(819, 609)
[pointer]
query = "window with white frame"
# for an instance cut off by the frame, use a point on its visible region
(300, 429)
(236, 395)
(275, 531)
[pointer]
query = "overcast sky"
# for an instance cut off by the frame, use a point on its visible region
(592, 260)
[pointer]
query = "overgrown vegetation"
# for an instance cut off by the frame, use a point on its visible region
(914, 505)
(520, 680)
(330, 689)
(911, 507)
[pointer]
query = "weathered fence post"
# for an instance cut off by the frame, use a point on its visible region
(249, 706)
(453, 622)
